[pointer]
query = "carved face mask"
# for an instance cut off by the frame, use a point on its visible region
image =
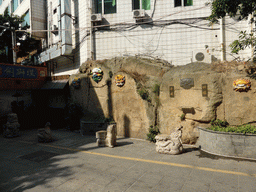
(242, 85)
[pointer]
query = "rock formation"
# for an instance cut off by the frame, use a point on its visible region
(192, 94)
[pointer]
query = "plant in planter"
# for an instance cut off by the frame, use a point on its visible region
(229, 139)
(223, 126)
(219, 123)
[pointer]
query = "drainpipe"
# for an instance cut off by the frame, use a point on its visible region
(253, 47)
(65, 23)
(223, 39)
(91, 33)
(50, 21)
(59, 23)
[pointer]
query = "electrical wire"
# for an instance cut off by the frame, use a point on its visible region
(122, 27)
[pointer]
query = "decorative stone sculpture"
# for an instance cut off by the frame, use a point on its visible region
(97, 74)
(11, 128)
(170, 144)
(76, 83)
(107, 138)
(242, 85)
(120, 80)
(44, 134)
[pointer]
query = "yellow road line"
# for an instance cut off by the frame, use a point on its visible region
(157, 162)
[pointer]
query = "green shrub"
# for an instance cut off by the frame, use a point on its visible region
(110, 120)
(110, 73)
(222, 126)
(153, 131)
(219, 123)
(183, 117)
(156, 89)
(143, 92)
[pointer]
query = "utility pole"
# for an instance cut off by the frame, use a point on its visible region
(223, 39)
(14, 46)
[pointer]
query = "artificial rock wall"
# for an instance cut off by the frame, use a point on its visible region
(181, 95)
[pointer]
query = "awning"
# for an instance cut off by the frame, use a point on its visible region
(57, 84)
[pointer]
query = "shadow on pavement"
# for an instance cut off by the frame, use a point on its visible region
(27, 164)
(204, 154)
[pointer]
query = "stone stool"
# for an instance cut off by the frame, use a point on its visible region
(101, 137)
(44, 134)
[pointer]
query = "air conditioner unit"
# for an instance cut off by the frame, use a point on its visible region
(54, 29)
(96, 17)
(138, 13)
(202, 56)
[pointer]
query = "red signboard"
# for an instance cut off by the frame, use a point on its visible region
(19, 77)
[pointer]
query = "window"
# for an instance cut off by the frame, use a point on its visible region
(188, 2)
(109, 6)
(15, 4)
(10, 9)
(143, 4)
(178, 3)
(26, 21)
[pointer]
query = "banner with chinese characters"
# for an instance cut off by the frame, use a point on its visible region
(17, 77)
(13, 71)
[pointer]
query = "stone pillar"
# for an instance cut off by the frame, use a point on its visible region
(107, 138)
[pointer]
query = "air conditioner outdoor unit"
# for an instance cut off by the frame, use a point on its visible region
(202, 56)
(54, 29)
(138, 13)
(96, 17)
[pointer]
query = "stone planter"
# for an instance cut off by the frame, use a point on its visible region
(227, 144)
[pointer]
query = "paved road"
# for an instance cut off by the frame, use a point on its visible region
(75, 163)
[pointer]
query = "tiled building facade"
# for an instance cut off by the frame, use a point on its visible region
(173, 30)
(34, 11)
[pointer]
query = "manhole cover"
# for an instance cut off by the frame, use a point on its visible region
(39, 156)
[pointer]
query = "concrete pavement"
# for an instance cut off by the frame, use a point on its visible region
(75, 163)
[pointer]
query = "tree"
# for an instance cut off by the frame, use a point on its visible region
(241, 9)
(9, 24)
